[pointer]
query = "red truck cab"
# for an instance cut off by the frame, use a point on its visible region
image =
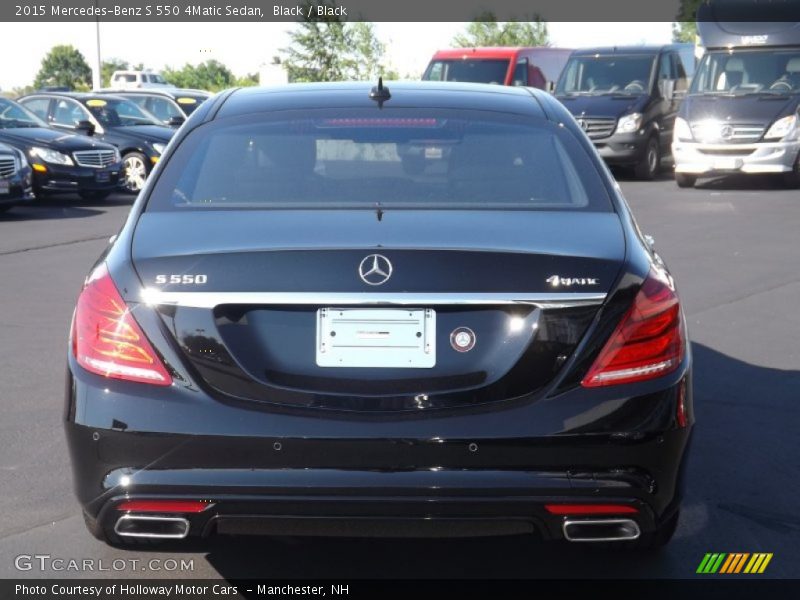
(533, 67)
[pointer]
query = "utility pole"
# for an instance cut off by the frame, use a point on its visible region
(97, 72)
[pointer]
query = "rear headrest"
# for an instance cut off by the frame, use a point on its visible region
(793, 66)
(734, 64)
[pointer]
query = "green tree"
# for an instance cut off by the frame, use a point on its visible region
(211, 75)
(248, 80)
(108, 67)
(64, 66)
(487, 31)
(684, 29)
(329, 49)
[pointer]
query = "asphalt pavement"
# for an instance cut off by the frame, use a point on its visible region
(734, 248)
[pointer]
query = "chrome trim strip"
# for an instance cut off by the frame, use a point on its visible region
(212, 299)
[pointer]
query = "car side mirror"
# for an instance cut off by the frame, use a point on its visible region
(176, 121)
(667, 88)
(85, 128)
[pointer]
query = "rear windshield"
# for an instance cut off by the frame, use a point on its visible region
(469, 70)
(389, 158)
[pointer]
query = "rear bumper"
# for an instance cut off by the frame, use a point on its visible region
(709, 159)
(427, 501)
(378, 487)
(470, 471)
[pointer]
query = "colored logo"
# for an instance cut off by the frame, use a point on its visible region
(734, 563)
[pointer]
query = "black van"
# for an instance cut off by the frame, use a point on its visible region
(741, 113)
(625, 98)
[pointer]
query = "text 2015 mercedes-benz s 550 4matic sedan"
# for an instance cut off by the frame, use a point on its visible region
(408, 310)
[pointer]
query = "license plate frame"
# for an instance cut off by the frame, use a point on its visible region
(102, 176)
(388, 338)
(5, 187)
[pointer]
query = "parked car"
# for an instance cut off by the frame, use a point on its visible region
(61, 163)
(171, 106)
(306, 327)
(130, 80)
(15, 178)
(625, 98)
(139, 136)
(741, 114)
(534, 67)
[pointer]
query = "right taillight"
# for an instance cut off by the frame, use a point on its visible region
(107, 340)
(648, 342)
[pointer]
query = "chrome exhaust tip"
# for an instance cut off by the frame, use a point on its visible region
(601, 530)
(147, 526)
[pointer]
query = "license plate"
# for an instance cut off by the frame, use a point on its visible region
(728, 164)
(376, 338)
(102, 176)
(4, 188)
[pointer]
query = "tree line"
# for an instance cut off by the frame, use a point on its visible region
(321, 49)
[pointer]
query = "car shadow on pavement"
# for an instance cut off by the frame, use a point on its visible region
(64, 207)
(742, 183)
(741, 486)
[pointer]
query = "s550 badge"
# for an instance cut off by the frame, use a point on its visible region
(558, 281)
(181, 279)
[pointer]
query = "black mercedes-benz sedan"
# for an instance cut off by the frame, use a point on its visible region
(138, 135)
(16, 184)
(61, 162)
(171, 106)
(415, 310)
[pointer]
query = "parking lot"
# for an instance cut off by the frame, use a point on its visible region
(733, 248)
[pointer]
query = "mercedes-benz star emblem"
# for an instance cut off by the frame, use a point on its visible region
(375, 269)
(726, 132)
(583, 124)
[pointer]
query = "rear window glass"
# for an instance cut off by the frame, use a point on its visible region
(389, 158)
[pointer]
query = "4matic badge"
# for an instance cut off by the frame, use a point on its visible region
(559, 281)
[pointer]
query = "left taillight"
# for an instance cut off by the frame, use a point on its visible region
(107, 340)
(649, 341)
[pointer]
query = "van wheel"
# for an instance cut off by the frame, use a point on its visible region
(685, 180)
(647, 168)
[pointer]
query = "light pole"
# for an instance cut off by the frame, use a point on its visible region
(97, 72)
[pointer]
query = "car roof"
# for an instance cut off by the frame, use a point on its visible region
(641, 49)
(80, 96)
(171, 92)
(416, 94)
(487, 52)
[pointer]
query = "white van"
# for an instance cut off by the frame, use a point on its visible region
(131, 80)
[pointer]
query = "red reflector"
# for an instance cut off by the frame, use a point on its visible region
(680, 414)
(648, 342)
(590, 509)
(164, 506)
(107, 340)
